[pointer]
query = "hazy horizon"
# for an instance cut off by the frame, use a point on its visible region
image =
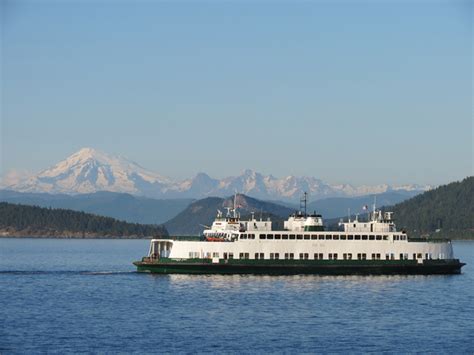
(359, 93)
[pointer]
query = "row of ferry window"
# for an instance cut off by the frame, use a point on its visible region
(322, 237)
(320, 256)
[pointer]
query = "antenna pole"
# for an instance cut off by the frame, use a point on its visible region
(375, 202)
(303, 201)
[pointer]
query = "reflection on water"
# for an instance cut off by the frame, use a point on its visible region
(85, 296)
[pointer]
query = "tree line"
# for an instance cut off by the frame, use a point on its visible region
(22, 217)
(448, 209)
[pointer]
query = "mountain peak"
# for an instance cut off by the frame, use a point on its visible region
(90, 170)
(87, 153)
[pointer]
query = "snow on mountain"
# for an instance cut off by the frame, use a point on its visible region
(90, 170)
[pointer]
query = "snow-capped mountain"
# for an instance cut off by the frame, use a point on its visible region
(90, 170)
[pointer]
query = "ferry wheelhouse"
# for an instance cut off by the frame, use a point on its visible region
(371, 246)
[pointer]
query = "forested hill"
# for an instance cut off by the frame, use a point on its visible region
(33, 221)
(448, 209)
(202, 213)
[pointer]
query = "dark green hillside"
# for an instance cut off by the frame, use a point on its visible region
(338, 206)
(449, 208)
(21, 220)
(203, 212)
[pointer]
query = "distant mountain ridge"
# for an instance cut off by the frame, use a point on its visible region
(137, 209)
(122, 206)
(89, 171)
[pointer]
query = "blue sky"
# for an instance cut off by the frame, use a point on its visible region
(355, 92)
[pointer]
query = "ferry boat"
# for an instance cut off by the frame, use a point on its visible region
(234, 246)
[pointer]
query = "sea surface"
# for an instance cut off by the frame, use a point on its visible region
(60, 296)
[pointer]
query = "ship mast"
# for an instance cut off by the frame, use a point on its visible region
(303, 202)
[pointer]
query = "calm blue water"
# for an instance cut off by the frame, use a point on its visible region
(84, 296)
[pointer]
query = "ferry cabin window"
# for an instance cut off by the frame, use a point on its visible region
(292, 256)
(373, 256)
(225, 256)
(387, 256)
(284, 237)
(243, 236)
(357, 237)
(392, 256)
(385, 237)
(231, 255)
(328, 237)
(418, 256)
(262, 256)
(378, 256)
(301, 256)
(306, 237)
(277, 256)
(271, 256)
(314, 237)
(263, 236)
(299, 236)
(251, 236)
(335, 256)
(371, 237)
(321, 237)
(378, 237)
(269, 236)
(241, 255)
(277, 236)
(316, 256)
(287, 256)
(364, 237)
(362, 256)
(215, 255)
(343, 237)
(347, 256)
(256, 256)
(350, 237)
(292, 236)
(336, 237)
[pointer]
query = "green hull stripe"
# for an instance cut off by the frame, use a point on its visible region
(321, 267)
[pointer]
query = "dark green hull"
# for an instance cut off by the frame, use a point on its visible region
(293, 267)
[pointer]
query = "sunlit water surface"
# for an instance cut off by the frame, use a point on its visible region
(85, 296)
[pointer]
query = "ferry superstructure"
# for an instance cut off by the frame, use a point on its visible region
(373, 246)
